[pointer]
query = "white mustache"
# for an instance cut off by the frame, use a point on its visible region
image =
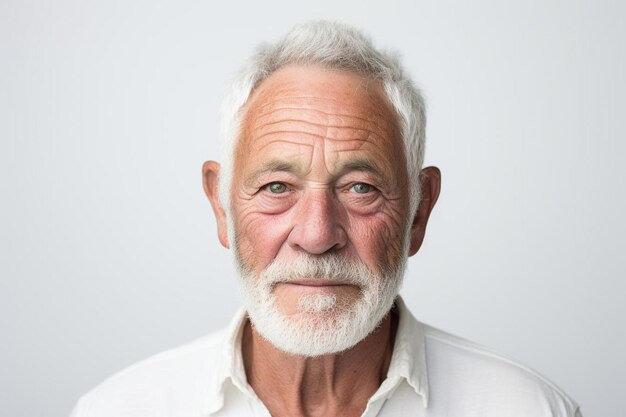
(334, 268)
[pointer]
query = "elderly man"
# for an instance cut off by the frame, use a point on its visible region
(321, 197)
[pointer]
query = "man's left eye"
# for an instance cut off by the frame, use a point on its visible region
(361, 188)
(276, 187)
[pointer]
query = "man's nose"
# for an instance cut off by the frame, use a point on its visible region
(317, 226)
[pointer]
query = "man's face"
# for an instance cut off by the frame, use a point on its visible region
(319, 170)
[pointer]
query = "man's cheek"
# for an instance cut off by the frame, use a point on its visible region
(261, 237)
(378, 241)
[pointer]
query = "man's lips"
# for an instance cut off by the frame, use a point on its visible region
(317, 283)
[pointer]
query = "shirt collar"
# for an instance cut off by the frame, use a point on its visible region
(228, 365)
(408, 361)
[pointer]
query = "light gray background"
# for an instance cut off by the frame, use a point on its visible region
(109, 252)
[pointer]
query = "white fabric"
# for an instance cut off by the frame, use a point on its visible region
(432, 374)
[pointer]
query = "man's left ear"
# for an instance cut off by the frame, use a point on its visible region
(430, 180)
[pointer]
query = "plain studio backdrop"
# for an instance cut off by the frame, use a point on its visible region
(109, 250)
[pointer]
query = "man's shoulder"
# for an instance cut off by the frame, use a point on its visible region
(474, 371)
(458, 353)
(147, 387)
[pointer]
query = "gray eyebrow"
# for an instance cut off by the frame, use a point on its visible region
(361, 165)
(273, 165)
(365, 165)
(277, 165)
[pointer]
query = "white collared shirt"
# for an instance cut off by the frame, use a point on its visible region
(431, 373)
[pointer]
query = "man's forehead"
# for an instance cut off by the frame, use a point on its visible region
(300, 106)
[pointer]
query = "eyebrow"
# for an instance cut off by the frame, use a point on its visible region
(277, 165)
(274, 165)
(365, 165)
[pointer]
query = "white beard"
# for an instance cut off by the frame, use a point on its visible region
(325, 323)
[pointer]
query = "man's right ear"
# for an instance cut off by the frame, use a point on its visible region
(210, 182)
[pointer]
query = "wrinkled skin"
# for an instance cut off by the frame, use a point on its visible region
(311, 131)
(320, 168)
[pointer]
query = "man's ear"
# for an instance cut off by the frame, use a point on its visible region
(430, 180)
(210, 182)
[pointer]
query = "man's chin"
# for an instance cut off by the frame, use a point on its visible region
(332, 307)
(294, 298)
(312, 333)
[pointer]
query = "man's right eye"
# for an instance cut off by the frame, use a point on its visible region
(276, 187)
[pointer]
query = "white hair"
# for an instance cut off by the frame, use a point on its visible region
(334, 46)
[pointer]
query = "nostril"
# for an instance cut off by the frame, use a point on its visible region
(317, 239)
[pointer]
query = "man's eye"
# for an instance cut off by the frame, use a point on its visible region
(362, 188)
(276, 187)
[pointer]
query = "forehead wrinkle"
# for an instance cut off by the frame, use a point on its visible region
(346, 119)
(356, 144)
(303, 135)
(268, 103)
(268, 108)
(262, 124)
(268, 143)
(289, 127)
(364, 163)
(329, 135)
(275, 105)
(284, 95)
(296, 98)
(311, 103)
(315, 117)
(294, 125)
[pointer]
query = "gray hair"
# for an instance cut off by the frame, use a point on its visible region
(334, 46)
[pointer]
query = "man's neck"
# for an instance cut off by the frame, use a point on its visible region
(330, 385)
